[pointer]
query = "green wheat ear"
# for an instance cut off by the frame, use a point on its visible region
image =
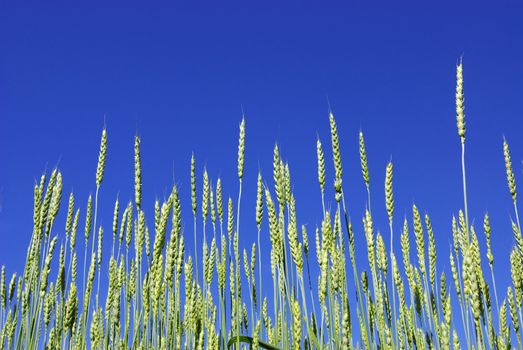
(259, 201)
(101, 159)
(389, 196)
(241, 149)
(70, 213)
(321, 165)
(88, 219)
(296, 325)
(460, 102)
(193, 185)
(3, 290)
(336, 155)
(205, 195)
(510, 173)
(137, 172)
(219, 199)
(213, 205)
(363, 160)
(486, 229)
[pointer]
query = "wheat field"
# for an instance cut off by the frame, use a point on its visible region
(157, 296)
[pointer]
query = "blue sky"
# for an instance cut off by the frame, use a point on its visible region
(179, 73)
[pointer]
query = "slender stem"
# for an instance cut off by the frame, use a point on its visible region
(237, 264)
(520, 342)
(94, 234)
(464, 178)
(204, 274)
(195, 249)
(323, 203)
(368, 198)
(494, 286)
(394, 333)
(260, 298)
(85, 262)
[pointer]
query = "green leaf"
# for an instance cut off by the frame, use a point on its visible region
(249, 340)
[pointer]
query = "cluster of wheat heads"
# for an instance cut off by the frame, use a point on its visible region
(163, 299)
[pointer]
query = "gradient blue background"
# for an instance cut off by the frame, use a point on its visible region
(178, 74)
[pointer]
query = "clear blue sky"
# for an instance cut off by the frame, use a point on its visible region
(178, 73)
